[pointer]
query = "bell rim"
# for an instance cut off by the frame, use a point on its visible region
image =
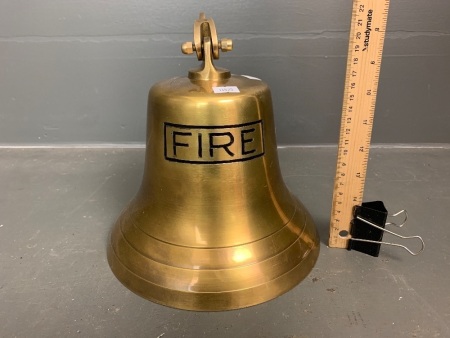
(189, 301)
(230, 299)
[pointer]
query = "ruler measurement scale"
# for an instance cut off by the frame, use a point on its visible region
(367, 32)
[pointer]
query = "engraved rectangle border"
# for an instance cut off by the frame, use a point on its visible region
(190, 127)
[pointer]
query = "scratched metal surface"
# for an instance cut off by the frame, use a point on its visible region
(58, 205)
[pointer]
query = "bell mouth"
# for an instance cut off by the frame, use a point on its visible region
(213, 288)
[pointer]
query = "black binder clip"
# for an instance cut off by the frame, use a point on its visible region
(368, 227)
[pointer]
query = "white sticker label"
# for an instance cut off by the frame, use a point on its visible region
(227, 89)
(251, 77)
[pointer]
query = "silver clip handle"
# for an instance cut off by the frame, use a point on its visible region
(395, 215)
(392, 233)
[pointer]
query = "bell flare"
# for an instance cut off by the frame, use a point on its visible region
(214, 278)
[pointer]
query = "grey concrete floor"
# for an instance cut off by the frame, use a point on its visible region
(57, 207)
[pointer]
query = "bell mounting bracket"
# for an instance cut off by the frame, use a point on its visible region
(207, 46)
(206, 28)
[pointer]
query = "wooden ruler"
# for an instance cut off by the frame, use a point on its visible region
(368, 26)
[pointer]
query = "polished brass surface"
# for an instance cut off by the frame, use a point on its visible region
(213, 226)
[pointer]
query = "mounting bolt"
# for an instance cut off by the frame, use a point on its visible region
(187, 48)
(226, 45)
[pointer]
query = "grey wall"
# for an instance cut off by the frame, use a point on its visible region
(78, 71)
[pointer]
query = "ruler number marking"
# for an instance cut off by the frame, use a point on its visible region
(366, 40)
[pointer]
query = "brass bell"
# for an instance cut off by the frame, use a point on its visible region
(213, 226)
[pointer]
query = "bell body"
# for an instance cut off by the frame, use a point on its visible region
(213, 226)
